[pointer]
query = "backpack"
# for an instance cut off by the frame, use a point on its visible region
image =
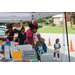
(41, 48)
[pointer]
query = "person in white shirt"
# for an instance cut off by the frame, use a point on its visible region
(37, 38)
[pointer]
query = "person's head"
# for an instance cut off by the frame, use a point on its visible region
(10, 28)
(22, 29)
(57, 40)
(33, 28)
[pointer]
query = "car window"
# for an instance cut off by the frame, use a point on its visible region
(2, 31)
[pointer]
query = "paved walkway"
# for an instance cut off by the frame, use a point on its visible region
(48, 57)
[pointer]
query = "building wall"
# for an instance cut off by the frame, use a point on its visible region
(59, 19)
(55, 20)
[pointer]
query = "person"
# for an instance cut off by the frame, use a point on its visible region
(6, 31)
(15, 35)
(32, 20)
(30, 36)
(36, 37)
(21, 36)
(10, 33)
(57, 47)
(29, 33)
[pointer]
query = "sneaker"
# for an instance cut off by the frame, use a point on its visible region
(57, 59)
(54, 58)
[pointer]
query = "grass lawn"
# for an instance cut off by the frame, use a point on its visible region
(20, 27)
(51, 29)
(44, 24)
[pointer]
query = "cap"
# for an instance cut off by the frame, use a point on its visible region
(35, 23)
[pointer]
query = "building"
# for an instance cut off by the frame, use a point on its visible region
(58, 20)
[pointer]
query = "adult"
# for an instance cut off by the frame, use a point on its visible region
(15, 34)
(22, 36)
(29, 33)
(10, 33)
(6, 31)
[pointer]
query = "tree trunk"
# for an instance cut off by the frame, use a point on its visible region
(71, 25)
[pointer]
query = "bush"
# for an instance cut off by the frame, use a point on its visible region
(46, 22)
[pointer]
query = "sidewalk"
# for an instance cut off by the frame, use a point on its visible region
(49, 56)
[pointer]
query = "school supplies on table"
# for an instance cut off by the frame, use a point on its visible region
(12, 43)
(0, 47)
(8, 43)
(17, 60)
(16, 54)
(0, 42)
(6, 52)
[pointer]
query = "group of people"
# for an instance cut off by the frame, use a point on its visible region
(32, 37)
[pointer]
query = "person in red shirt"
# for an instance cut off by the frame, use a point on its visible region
(10, 34)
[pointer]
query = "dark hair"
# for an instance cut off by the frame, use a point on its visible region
(22, 28)
(32, 26)
(10, 27)
(7, 27)
(36, 27)
(57, 39)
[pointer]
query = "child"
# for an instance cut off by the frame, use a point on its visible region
(33, 37)
(57, 47)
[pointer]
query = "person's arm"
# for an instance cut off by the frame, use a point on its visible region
(6, 31)
(30, 39)
(54, 46)
(39, 40)
(29, 34)
(18, 38)
(42, 39)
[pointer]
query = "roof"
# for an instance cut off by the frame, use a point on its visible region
(56, 16)
(23, 16)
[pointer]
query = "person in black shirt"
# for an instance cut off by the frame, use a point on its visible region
(22, 36)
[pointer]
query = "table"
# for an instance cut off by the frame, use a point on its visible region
(2, 59)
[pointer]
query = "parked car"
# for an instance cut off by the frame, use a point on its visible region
(2, 30)
(40, 26)
(2, 27)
